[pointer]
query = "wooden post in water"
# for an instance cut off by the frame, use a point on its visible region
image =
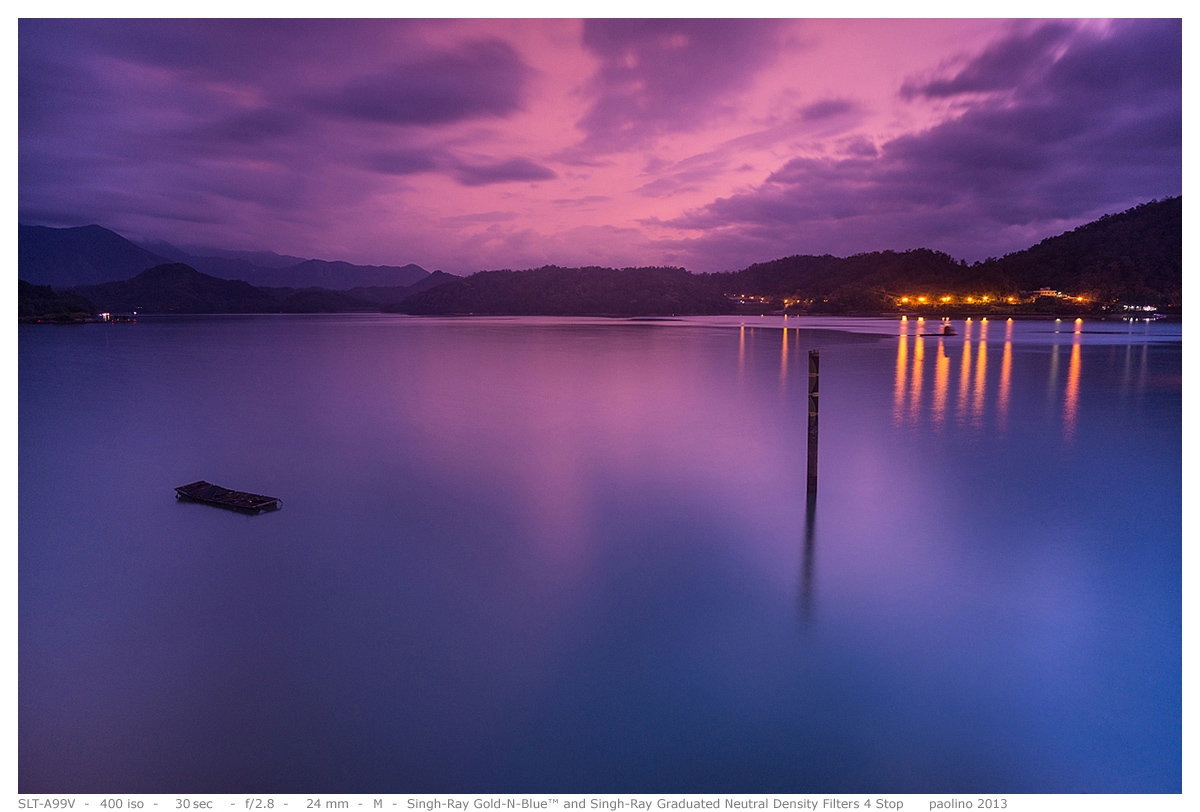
(814, 380)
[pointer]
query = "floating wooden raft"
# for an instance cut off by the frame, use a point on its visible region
(211, 494)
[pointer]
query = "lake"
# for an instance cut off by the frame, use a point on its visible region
(556, 555)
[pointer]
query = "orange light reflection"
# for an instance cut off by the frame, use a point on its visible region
(941, 383)
(783, 362)
(964, 375)
(980, 382)
(914, 405)
(901, 373)
(1071, 405)
(1005, 380)
(741, 352)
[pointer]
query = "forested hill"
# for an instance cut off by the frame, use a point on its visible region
(860, 282)
(554, 291)
(177, 288)
(1134, 256)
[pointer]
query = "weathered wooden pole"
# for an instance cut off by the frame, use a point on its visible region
(814, 380)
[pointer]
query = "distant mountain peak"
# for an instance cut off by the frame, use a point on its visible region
(92, 255)
(83, 255)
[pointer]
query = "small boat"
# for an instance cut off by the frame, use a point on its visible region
(209, 494)
(947, 329)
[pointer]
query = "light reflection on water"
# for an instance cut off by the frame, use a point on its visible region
(546, 555)
(1005, 378)
(783, 362)
(980, 398)
(941, 385)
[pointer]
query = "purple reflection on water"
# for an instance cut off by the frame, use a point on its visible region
(576, 555)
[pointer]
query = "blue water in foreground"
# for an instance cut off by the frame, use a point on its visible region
(539, 555)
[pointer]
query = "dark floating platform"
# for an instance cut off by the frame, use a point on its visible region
(215, 495)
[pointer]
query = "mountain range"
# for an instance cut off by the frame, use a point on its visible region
(1130, 258)
(93, 255)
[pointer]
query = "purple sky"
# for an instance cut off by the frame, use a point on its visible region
(464, 145)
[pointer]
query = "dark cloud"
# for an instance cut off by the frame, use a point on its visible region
(668, 75)
(473, 172)
(827, 109)
(478, 80)
(1093, 130)
(245, 120)
(860, 147)
(1002, 66)
(48, 89)
(249, 128)
(514, 169)
(405, 162)
(258, 52)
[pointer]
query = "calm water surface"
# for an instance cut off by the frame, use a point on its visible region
(538, 555)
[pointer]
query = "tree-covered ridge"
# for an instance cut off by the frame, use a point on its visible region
(178, 288)
(861, 282)
(555, 291)
(1135, 256)
(43, 303)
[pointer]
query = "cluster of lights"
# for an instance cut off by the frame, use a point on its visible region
(978, 299)
(948, 299)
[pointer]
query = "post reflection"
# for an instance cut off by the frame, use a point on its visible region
(806, 560)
